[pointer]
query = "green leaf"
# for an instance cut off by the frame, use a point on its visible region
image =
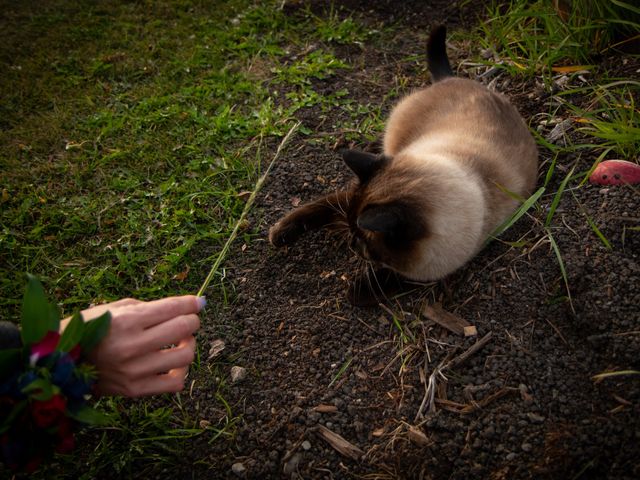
(38, 317)
(72, 333)
(39, 389)
(10, 361)
(91, 416)
(94, 331)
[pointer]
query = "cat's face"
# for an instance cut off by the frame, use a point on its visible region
(386, 219)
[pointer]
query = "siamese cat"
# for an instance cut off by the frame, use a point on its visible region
(425, 207)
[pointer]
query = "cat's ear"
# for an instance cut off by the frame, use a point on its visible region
(363, 164)
(383, 219)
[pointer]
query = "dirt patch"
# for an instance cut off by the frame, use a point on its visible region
(524, 406)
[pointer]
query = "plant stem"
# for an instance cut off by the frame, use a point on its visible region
(245, 211)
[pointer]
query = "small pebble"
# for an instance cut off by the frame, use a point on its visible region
(511, 457)
(239, 469)
(535, 418)
(238, 374)
(292, 465)
(526, 447)
(306, 445)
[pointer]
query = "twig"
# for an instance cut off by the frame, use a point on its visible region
(469, 351)
(429, 400)
(339, 443)
(247, 207)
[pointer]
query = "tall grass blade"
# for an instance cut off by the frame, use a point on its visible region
(234, 233)
(524, 208)
(556, 198)
(563, 271)
(340, 372)
(592, 224)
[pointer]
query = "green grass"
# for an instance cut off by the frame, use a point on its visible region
(128, 136)
(123, 157)
(532, 42)
(532, 38)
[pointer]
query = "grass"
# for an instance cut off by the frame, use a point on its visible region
(533, 37)
(532, 41)
(129, 137)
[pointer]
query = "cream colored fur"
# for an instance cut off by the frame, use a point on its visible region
(462, 141)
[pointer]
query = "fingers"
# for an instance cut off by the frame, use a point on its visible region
(95, 312)
(163, 361)
(158, 311)
(167, 383)
(173, 381)
(168, 333)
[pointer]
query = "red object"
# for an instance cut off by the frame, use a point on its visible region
(616, 172)
(75, 352)
(46, 346)
(66, 445)
(48, 412)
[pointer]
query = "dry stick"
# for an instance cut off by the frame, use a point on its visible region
(247, 207)
(429, 396)
(470, 351)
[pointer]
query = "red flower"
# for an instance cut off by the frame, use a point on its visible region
(48, 412)
(75, 352)
(46, 346)
(66, 444)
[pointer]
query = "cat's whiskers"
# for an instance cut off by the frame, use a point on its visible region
(339, 208)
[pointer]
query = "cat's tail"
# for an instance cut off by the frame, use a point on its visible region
(437, 54)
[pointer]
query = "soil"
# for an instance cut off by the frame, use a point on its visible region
(523, 406)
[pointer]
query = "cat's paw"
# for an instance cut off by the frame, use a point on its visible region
(361, 295)
(373, 288)
(283, 233)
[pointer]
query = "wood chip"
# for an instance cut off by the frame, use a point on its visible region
(217, 346)
(322, 408)
(418, 437)
(341, 445)
(378, 432)
(470, 331)
(445, 319)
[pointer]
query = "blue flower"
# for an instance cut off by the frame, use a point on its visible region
(62, 370)
(76, 387)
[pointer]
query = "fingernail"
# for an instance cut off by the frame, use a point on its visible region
(202, 302)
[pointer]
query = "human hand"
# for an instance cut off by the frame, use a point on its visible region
(133, 359)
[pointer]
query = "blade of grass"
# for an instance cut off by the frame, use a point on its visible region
(563, 271)
(524, 208)
(557, 197)
(592, 224)
(595, 164)
(619, 373)
(234, 233)
(343, 369)
(550, 170)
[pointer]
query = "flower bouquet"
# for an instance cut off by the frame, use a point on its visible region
(44, 382)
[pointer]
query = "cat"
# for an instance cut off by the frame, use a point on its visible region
(426, 205)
